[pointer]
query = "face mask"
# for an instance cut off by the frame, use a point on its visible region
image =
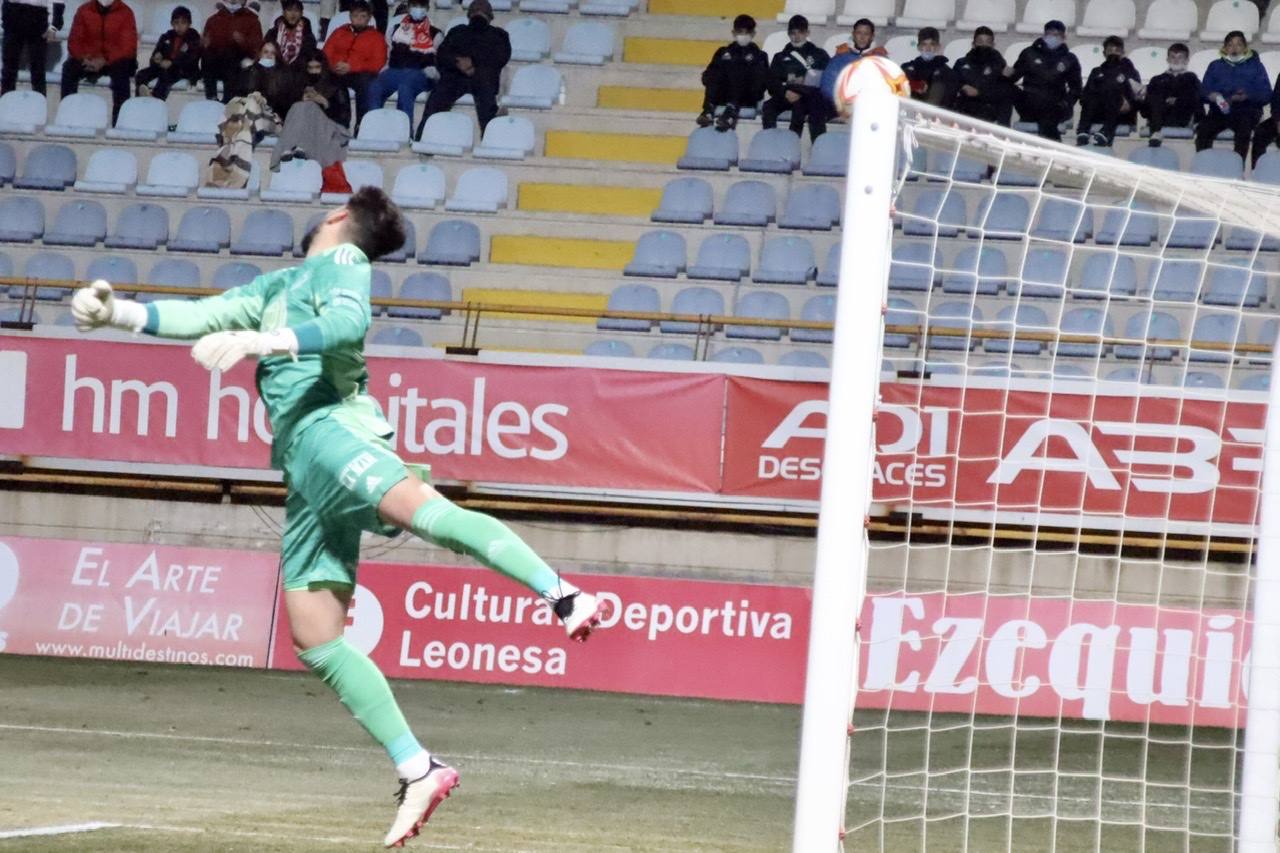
(743, 39)
(798, 41)
(1053, 42)
(267, 62)
(927, 55)
(418, 13)
(1236, 60)
(1177, 68)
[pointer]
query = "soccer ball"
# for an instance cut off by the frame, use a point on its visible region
(865, 74)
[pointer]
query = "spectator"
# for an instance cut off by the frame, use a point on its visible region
(932, 79)
(292, 36)
(984, 91)
(1173, 98)
(316, 126)
(861, 41)
(793, 82)
(1237, 88)
(1266, 131)
(232, 40)
(176, 57)
(470, 60)
(356, 53)
(103, 40)
(1050, 76)
(27, 24)
(1110, 95)
(279, 85)
(411, 67)
(328, 8)
(735, 77)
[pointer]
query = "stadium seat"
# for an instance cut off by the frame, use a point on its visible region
(1108, 17)
(759, 305)
(803, 358)
(1256, 382)
(381, 130)
(722, 257)
(748, 203)
(829, 156)
(817, 309)
(407, 249)
(811, 207)
(928, 221)
(775, 150)
(507, 138)
(975, 271)
(927, 13)
(202, 229)
(946, 166)
(8, 163)
(1002, 217)
(1044, 274)
(710, 150)
(13, 314)
(1063, 220)
(631, 297)
(198, 123)
(1037, 12)
(900, 312)
(396, 336)
(737, 355)
(297, 181)
(829, 275)
(234, 274)
(1169, 20)
(1227, 15)
(1106, 274)
(877, 11)
(1192, 229)
(609, 349)
(379, 288)
(234, 193)
(1235, 285)
(1250, 241)
(1175, 280)
(53, 266)
(116, 269)
(453, 242)
(1019, 318)
(996, 14)
(79, 222)
(686, 200)
(1126, 374)
(1158, 158)
(21, 219)
(80, 115)
(530, 39)
(1202, 379)
(1152, 326)
(47, 167)
(171, 174)
(659, 254)
(450, 134)
(1218, 163)
(265, 232)
(534, 87)
(172, 272)
(586, 43)
(1084, 321)
(1134, 226)
(313, 221)
(702, 301)
(785, 260)
(360, 173)
(6, 266)
(110, 170)
(420, 186)
(1199, 62)
(422, 285)
(1219, 328)
(141, 120)
(611, 8)
(479, 190)
(672, 352)
(953, 315)
(23, 111)
(817, 11)
(913, 266)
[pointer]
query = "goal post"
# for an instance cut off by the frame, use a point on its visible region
(1046, 599)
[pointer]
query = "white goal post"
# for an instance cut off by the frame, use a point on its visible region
(1090, 675)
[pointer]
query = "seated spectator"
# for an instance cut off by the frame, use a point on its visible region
(735, 77)
(470, 60)
(103, 40)
(793, 82)
(292, 36)
(356, 53)
(232, 39)
(278, 84)
(862, 44)
(1110, 95)
(1236, 88)
(1173, 98)
(329, 8)
(176, 57)
(316, 127)
(27, 26)
(411, 66)
(1050, 76)
(1267, 130)
(984, 91)
(269, 91)
(932, 79)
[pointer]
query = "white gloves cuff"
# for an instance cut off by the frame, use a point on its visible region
(127, 314)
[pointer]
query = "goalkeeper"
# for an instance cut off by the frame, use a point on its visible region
(306, 325)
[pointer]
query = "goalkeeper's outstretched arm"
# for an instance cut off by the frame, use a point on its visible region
(97, 305)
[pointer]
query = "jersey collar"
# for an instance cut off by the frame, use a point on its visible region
(346, 254)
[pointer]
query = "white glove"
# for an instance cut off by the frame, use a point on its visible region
(224, 350)
(95, 306)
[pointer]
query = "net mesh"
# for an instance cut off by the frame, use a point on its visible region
(1076, 354)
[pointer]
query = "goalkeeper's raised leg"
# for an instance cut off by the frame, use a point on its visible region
(305, 326)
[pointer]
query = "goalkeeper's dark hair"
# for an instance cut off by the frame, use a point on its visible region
(374, 222)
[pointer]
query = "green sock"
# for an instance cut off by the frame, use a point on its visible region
(363, 689)
(489, 541)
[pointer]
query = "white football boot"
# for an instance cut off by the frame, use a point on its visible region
(417, 799)
(581, 613)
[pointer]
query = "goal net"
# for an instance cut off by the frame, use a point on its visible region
(1039, 637)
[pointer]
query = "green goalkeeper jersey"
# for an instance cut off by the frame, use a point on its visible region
(325, 302)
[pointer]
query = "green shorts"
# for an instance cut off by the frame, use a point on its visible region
(336, 474)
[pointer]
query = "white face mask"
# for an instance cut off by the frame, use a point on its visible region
(743, 39)
(418, 13)
(1053, 42)
(927, 55)
(267, 61)
(1177, 68)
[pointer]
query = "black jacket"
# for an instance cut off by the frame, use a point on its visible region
(183, 52)
(932, 80)
(751, 56)
(983, 69)
(308, 41)
(1114, 74)
(339, 109)
(488, 47)
(1053, 73)
(280, 85)
(790, 65)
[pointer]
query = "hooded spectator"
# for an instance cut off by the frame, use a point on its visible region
(411, 67)
(292, 36)
(735, 77)
(1110, 95)
(1236, 87)
(1173, 97)
(983, 91)
(356, 53)
(232, 39)
(28, 25)
(793, 82)
(932, 79)
(470, 60)
(176, 57)
(1050, 77)
(103, 41)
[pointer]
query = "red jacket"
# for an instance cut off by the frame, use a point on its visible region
(221, 24)
(365, 51)
(111, 33)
